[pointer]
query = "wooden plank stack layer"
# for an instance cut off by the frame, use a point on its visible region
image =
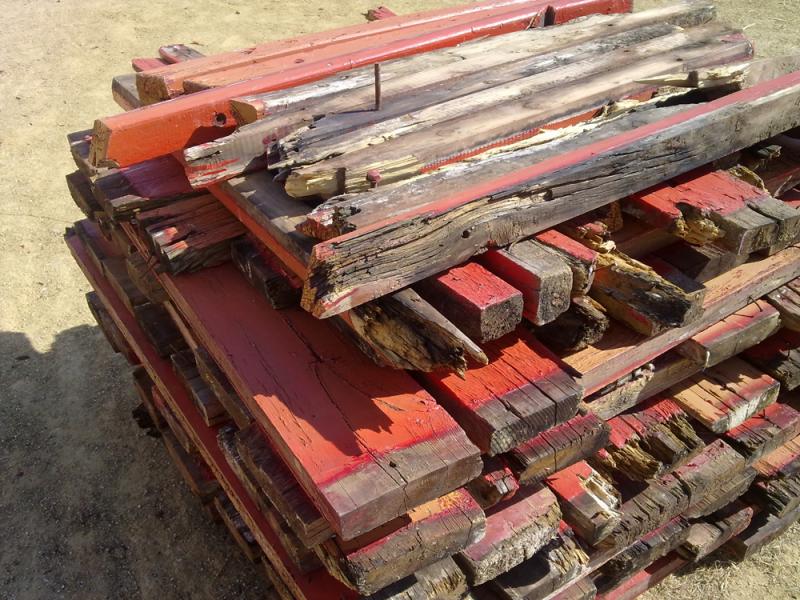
(492, 302)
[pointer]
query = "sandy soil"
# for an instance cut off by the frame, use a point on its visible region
(90, 507)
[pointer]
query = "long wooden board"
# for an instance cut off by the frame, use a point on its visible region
(405, 248)
(138, 135)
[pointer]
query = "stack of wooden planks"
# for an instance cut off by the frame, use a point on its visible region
(500, 301)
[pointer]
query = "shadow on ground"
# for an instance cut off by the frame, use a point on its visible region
(88, 502)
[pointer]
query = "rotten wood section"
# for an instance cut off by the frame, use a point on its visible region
(543, 277)
(426, 139)
(719, 207)
(623, 393)
(427, 534)
(522, 391)
(203, 438)
(649, 442)
(552, 191)
(778, 355)
(651, 547)
(621, 351)
(735, 333)
(558, 563)
(495, 484)
(786, 299)
(558, 448)
(589, 501)
(584, 323)
(482, 305)
(515, 531)
(135, 136)
(777, 488)
(726, 395)
(707, 535)
(647, 299)
(442, 580)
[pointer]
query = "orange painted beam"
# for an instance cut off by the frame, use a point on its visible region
(140, 134)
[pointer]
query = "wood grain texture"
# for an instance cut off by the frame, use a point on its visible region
(479, 303)
(558, 448)
(331, 288)
(589, 501)
(515, 531)
(522, 391)
(621, 351)
(426, 535)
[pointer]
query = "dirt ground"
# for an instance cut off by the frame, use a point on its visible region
(90, 507)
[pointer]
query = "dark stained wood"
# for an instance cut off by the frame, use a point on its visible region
(701, 263)
(215, 379)
(331, 289)
(623, 393)
(236, 526)
(110, 330)
(707, 535)
(642, 553)
(588, 500)
(762, 530)
(280, 486)
(778, 355)
(515, 530)
(543, 277)
(203, 396)
(640, 297)
(279, 288)
(558, 448)
(584, 323)
(521, 392)
(427, 534)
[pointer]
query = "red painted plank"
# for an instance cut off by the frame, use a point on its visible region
(523, 391)
(341, 423)
(140, 134)
(146, 64)
(317, 586)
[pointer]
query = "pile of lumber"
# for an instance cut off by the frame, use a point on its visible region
(499, 301)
